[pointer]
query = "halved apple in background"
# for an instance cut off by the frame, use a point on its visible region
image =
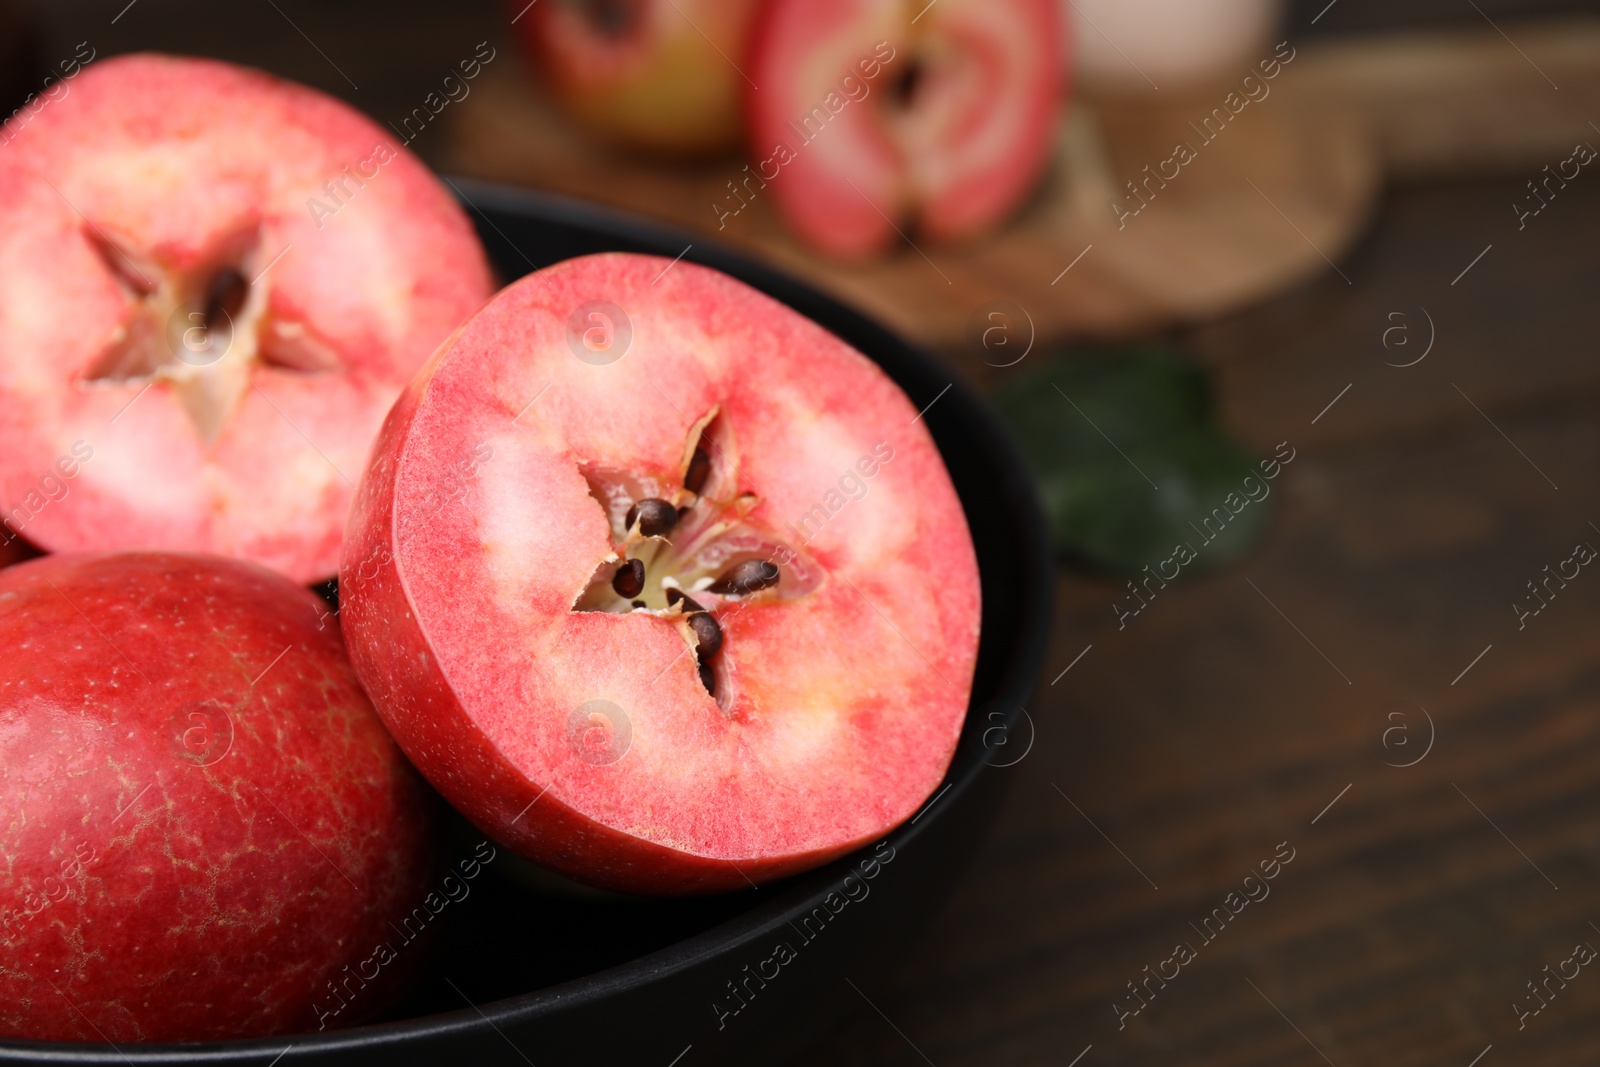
(213, 285)
(873, 115)
(660, 583)
(663, 75)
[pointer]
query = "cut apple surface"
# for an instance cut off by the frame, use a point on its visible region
(660, 583)
(655, 74)
(878, 115)
(206, 829)
(214, 283)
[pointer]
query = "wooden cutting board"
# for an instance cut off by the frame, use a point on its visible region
(1278, 195)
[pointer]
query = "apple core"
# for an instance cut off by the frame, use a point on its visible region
(215, 283)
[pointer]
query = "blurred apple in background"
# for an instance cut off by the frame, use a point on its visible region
(662, 75)
(873, 117)
(1139, 45)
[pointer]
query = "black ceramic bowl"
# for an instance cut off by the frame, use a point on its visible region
(522, 976)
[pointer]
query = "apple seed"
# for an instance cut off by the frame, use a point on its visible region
(707, 633)
(225, 297)
(629, 580)
(674, 595)
(748, 577)
(699, 470)
(655, 516)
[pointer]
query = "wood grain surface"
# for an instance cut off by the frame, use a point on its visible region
(1228, 715)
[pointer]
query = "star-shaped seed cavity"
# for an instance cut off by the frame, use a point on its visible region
(686, 551)
(201, 329)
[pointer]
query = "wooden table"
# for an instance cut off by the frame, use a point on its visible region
(1251, 708)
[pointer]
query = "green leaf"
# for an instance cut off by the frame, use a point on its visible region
(1130, 462)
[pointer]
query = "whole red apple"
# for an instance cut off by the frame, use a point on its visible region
(662, 584)
(204, 824)
(213, 285)
(662, 75)
(875, 115)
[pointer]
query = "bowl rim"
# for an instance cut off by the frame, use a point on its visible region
(1020, 664)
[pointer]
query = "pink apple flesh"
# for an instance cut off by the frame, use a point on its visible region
(484, 613)
(216, 283)
(203, 821)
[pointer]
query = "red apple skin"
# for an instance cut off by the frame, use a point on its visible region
(187, 166)
(843, 703)
(669, 83)
(203, 821)
(950, 163)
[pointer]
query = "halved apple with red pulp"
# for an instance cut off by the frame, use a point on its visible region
(213, 285)
(660, 583)
(878, 115)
